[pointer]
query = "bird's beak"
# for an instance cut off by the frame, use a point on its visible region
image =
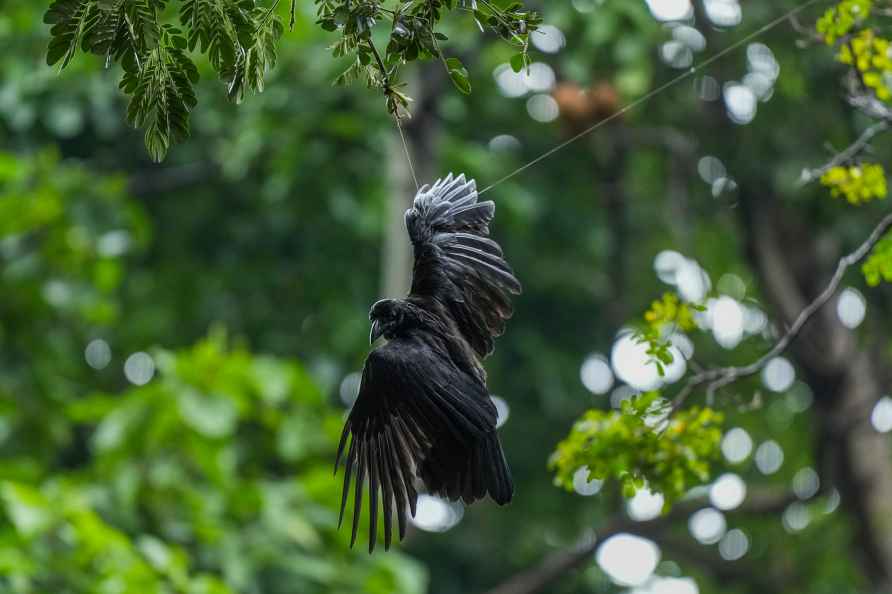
(376, 332)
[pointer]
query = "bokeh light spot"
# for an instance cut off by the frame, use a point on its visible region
(433, 514)
(734, 545)
(596, 375)
(737, 445)
(671, 10)
(769, 457)
(629, 560)
(851, 307)
(139, 368)
(548, 39)
(645, 505)
(881, 417)
(727, 492)
(707, 525)
(98, 354)
(778, 375)
(582, 485)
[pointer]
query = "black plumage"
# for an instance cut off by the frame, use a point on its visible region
(423, 416)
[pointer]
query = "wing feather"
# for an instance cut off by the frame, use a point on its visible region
(457, 264)
(416, 417)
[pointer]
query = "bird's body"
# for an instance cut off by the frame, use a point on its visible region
(423, 413)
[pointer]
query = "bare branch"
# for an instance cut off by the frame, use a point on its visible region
(808, 32)
(717, 378)
(559, 563)
(846, 155)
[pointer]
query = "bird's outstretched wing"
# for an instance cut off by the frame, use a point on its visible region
(457, 263)
(413, 418)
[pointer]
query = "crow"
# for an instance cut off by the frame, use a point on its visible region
(423, 415)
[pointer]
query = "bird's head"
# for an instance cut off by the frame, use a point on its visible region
(387, 317)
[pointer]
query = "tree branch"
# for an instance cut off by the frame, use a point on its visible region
(717, 378)
(846, 155)
(559, 563)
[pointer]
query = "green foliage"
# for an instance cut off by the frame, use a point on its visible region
(414, 36)
(665, 316)
(839, 20)
(63, 233)
(214, 477)
(231, 453)
(858, 184)
(642, 445)
(878, 266)
(240, 40)
(871, 56)
(238, 37)
(57, 527)
(161, 95)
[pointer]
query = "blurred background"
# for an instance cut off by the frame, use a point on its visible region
(179, 342)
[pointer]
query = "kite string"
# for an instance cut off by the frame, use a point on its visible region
(399, 127)
(650, 95)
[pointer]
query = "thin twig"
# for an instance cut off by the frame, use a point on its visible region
(717, 378)
(807, 31)
(846, 155)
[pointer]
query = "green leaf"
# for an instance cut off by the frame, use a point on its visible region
(459, 75)
(69, 19)
(248, 71)
(27, 508)
(163, 98)
(518, 62)
(878, 266)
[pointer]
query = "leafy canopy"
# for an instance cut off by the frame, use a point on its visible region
(155, 50)
(156, 45)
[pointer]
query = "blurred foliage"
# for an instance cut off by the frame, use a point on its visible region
(858, 184)
(661, 321)
(216, 477)
(869, 54)
(878, 266)
(840, 19)
(641, 445)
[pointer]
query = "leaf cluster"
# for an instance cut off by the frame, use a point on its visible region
(413, 36)
(871, 56)
(837, 21)
(154, 44)
(665, 316)
(878, 266)
(858, 184)
(641, 445)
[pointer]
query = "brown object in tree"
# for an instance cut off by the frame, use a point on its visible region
(580, 108)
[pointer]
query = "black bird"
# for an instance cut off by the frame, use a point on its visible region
(423, 413)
